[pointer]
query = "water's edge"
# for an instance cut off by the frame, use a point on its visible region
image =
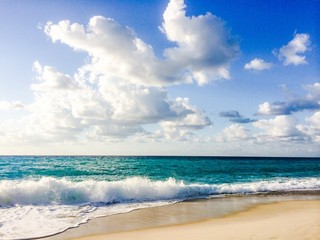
(179, 213)
(42, 195)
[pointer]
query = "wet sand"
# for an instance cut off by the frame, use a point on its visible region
(295, 220)
(246, 217)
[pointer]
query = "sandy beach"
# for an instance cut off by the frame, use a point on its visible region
(281, 220)
(253, 217)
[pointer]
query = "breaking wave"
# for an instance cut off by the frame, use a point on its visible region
(53, 191)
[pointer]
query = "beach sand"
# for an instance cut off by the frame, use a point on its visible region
(255, 217)
(282, 220)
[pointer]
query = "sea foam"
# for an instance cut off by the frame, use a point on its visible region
(53, 191)
(34, 208)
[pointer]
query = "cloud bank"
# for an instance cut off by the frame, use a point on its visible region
(284, 129)
(310, 102)
(122, 86)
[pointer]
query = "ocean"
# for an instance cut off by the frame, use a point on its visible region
(45, 195)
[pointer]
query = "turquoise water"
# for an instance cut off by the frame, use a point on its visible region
(210, 170)
(45, 195)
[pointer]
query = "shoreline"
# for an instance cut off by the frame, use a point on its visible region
(295, 220)
(188, 212)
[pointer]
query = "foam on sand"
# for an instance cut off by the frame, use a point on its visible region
(33, 208)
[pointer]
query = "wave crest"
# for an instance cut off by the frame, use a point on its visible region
(49, 190)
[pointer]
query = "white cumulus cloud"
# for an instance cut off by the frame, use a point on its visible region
(280, 128)
(312, 128)
(50, 79)
(182, 128)
(7, 105)
(257, 64)
(266, 109)
(70, 108)
(204, 45)
(203, 53)
(122, 85)
(314, 91)
(234, 132)
(292, 53)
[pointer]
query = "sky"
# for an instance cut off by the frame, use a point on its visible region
(162, 77)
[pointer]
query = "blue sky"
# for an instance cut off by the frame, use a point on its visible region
(160, 77)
